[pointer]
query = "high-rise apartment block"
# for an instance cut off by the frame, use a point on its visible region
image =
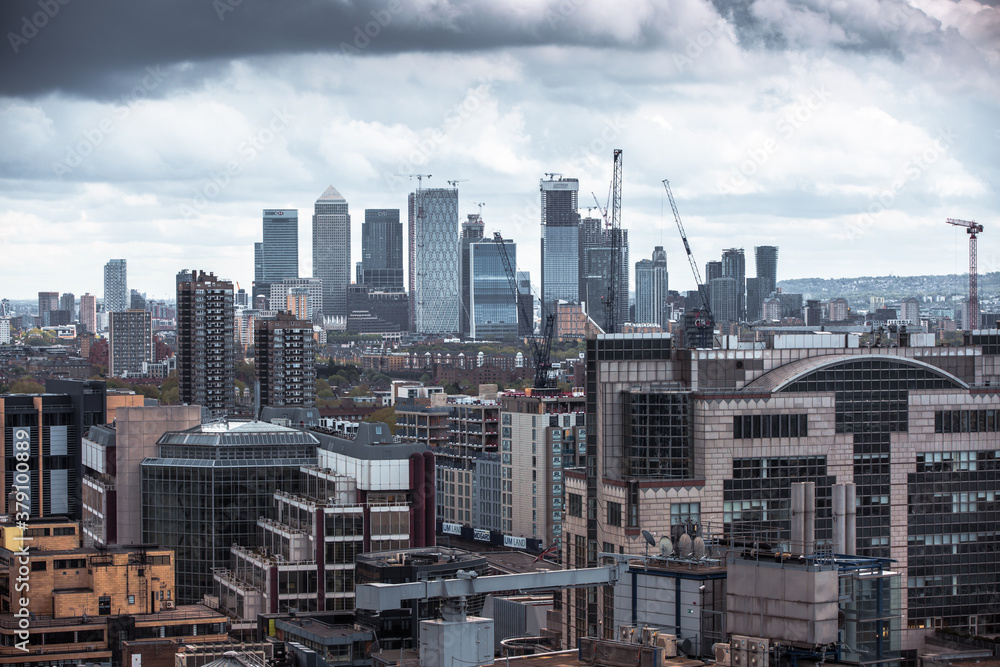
(472, 231)
(130, 342)
(382, 249)
(47, 301)
(724, 295)
(285, 361)
(116, 294)
(280, 250)
(332, 250)
(560, 242)
(651, 289)
(67, 302)
(434, 260)
(88, 312)
(910, 311)
(734, 266)
(491, 305)
(205, 342)
(525, 305)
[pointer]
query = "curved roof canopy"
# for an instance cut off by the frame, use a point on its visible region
(818, 373)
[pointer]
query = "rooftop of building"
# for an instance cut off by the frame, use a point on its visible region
(373, 442)
(421, 556)
(233, 432)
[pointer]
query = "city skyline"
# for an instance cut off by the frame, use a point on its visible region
(852, 128)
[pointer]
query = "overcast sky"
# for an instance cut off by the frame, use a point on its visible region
(842, 131)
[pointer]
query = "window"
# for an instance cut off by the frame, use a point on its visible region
(64, 530)
(575, 506)
(104, 605)
(131, 599)
(38, 566)
(614, 514)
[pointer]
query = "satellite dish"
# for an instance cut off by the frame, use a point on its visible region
(648, 536)
(699, 547)
(684, 546)
(666, 547)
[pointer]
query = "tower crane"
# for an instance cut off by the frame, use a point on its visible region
(540, 351)
(454, 183)
(613, 227)
(703, 318)
(972, 228)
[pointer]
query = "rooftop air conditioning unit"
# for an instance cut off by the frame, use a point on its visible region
(625, 633)
(668, 644)
(649, 635)
(722, 654)
(168, 604)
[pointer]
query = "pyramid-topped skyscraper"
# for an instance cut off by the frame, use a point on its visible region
(332, 250)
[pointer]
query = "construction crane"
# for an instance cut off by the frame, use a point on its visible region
(455, 183)
(540, 352)
(972, 228)
(703, 318)
(480, 204)
(612, 306)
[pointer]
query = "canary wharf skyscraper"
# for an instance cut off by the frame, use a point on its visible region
(560, 242)
(281, 244)
(434, 260)
(332, 250)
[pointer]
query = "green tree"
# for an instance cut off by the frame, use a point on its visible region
(360, 390)
(386, 415)
(27, 386)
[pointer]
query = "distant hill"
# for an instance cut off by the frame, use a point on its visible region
(894, 288)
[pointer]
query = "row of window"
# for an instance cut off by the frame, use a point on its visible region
(770, 426)
(967, 421)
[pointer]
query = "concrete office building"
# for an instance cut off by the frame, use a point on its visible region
(116, 294)
(209, 485)
(285, 361)
(382, 250)
(281, 290)
(434, 261)
(130, 342)
(560, 243)
(678, 438)
(205, 341)
(360, 495)
(112, 456)
(331, 250)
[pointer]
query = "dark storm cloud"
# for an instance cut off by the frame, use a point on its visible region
(95, 48)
